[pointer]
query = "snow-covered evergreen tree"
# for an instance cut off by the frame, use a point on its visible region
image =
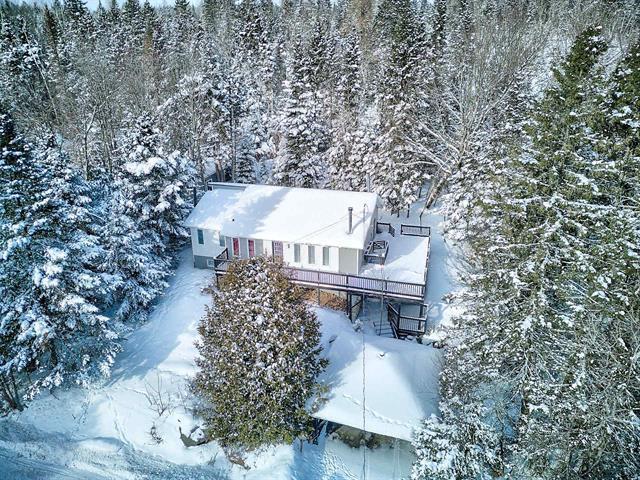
(352, 143)
(137, 272)
(555, 262)
(301, 161)
(155, 184)
(51, 330)
(397, 173)
(259, 358)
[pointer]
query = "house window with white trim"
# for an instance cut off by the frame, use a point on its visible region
(296, 252)
(311, 251)
(211, 263)
(222, 243)
(252, 248)
(200, 237)
(325, 256)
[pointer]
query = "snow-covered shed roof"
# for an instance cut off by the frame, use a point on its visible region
(400, 380)
(293, 215)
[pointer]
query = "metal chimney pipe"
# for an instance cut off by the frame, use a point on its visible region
(350, 219)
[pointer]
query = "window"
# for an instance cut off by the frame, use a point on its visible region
(236, 247)
(211, 263)
(325, 255)
(252, 248)
(296, 253)
(312, 254)
(222, 243)
(200, 237)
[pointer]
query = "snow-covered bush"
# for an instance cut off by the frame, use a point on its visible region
(259, 358)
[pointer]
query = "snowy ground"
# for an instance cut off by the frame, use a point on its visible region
(104, 432)
(381, 385)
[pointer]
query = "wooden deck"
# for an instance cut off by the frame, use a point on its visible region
(341, 281)
(357, 284)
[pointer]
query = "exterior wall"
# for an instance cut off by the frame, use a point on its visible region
(228, 242)
(201, 262)
(350, 260)
(344, 260)
(372, 227)
(211, 242)
(289, 257)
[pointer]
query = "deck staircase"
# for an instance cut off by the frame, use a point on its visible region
(383, 328)
(395, 320)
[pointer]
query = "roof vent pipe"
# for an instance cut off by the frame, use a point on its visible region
(350, 219)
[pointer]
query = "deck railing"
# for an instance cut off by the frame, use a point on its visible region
(415, 230)
(340, 281)
(384, 226)
(356, 283)
(405, 325)
(221, 261)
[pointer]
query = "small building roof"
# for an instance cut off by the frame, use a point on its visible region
(400, 380)
(294, 215)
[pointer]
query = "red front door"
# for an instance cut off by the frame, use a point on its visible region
(277, 249)
(236, 247)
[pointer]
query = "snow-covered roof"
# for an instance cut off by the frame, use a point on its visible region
(401, 380)
(293, 215)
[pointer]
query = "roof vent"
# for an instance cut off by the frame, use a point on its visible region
(350, 220)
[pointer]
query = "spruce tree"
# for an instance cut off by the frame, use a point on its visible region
(52, 332)
(137, 272)
(301, 161)
(534, 386)
(156, 185)
(397, 175)
(259, 358)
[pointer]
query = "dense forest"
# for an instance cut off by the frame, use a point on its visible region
(521, 116)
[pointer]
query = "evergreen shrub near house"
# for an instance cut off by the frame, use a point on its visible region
(259, 358)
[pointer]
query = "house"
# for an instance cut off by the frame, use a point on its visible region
(331, 240)
(308, 228)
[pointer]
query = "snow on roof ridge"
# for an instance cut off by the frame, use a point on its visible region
(291, 214)
(244, 186)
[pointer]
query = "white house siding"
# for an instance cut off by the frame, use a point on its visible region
(244, 248)
(211, 243)
(350, 259)
(289, 257)
(204, 253)
(345, 260)
(372, 228)
(259, 249)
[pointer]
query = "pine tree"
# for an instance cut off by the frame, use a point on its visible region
(259, 358)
